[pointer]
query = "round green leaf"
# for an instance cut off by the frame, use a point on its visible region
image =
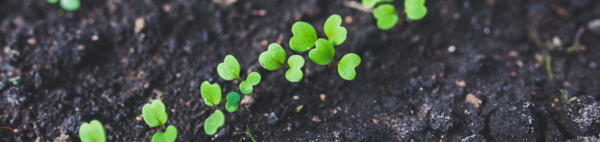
(246, 87)
(231, 106)
(213, 122)
(154, 113)
(52, 1)
(70, 5)
(170, 135)
(410, 3)
(323, 54)
(347, 64)
(253, 78)
(233, 97)
(416, 12)
(369, 3)
(273, 58)
(210, 93)
(229, 69)
(304, 37)
(92, 132)
(296, 61)
(335, 33)
(386, 16)
(294, 74)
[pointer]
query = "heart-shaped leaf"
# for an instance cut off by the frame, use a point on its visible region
(294, 74)
(410, 3)
(154, 113)
(211, 94)
(229, 69)
(273, 58)
(246, 87)
(253, 78)
(92, 132)
(323, 54)
(347, 64)
(214, 122)
(231, 106)
(170, 135)
(304, 36)
(415, 9)
(386, 16)
(335, 33)
(369, 3)
(70, 5)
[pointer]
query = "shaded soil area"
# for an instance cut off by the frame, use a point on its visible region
(471, 70)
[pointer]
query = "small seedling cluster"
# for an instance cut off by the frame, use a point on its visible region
(386, 13)
(69, 5)
(229, 70)
(154, 115)
(211, 94)
(304, 39)
(92, 132)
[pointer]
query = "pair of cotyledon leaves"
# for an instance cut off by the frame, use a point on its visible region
(229, 70)
(386, 14)
(305, 35)
(154, 115)
(69, 5)
(274, 58)
(211, 93)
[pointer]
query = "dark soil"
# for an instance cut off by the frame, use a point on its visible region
(91, 64)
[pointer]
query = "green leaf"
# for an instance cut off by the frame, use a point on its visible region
(210, 93)
(409, 3)
(92, 132)
(229, 69)
(52, 1)
(154, 113)
(386, 16)
(335, 33)
(294, 74)
(213, 122)
(273, 58)
(253, 78)
(233, 97)
(415, 9)
(323, 54)
(347, 64)
(170, 135)
(231, 106)
(70, 5)
(250, 134)
(369, 3)
(304, 36)
(246, 87)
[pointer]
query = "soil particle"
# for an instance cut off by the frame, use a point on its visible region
(473, 62)
(594, 26)
(441, 119)
(515, 121)
(474, 138)
(581, 116)
(63, 138)
(16, 97)
(70, 125)
(272, 119)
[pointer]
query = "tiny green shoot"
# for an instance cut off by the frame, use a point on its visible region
(154, 115)
(386, 16)
(232, 99)
(323, 54)
(294, 74)
(372, 3)
(15, 80)
(246, 85)
(229, 69)
(334, 31)
(415, 9)
(92, 132)
(168, 136)
(211, 94)
(248, 128)
(304, 36)
(347, 64)
(214, 122)
(52, 1)
(274, 58)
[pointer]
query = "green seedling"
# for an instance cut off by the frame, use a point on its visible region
(154, 115)
(323, 54)
(210, 93)
(92, 132)
(232, 99)
(372, 3)
(69, 5)
(334, 31)
(347, 64)
(15, 80)
(415, 9)
(304, 37)
(248, 128)
(229, 70)
(274, 58)
(386, 16)
(214, 122)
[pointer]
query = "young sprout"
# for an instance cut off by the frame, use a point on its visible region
(246, 85)
(214, 122)
(210, 93)
(248, 128)
(323, 54)
(15, 80)
(294, 74)
(304, 37)
(386, 16)
(154, 114)
(334, 31)
(372, 3)
(415, 9)
(274, 58)
(52, 1)
(232, 99)
(347, 64)
(92, 132)
(70, 5)
(229, 70)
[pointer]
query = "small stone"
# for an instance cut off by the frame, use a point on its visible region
(461, 84)
(594, 26)
(316, 119)
(272, 119)
(556, 41)
(322, 97)
(296, 97)
(139, 25)
(94, 37)
(452, 48)
(31, 41)
(473, 100)
(299, 108)
(348, 19)
(247, 100)
(63, 138)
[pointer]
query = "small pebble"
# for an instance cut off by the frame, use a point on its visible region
(94, 37)
(31, 41)
(272, 119)
(452, 48)
(296, 97)
(299, 108)
(594, 26)
(139, 25)
(486, 30)
(322, 97)
(593, 65)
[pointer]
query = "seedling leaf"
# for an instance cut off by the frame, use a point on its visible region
(170, 135)
(294, 74)
(213, 122)
(347, 64)
(231, 106)
(154, 113)
(229, 69)
(273, 58)
(253, 78)
(413, 2)
(415, 9)
(70, 5)
(335, 33)
(246, 87)
(369, 3)
(92, 132)
(323, 54)
(210, 93)
(233, 97)
(304, 37)
(52, 1)
(386, 16)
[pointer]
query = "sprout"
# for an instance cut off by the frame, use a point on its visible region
(154, 114)
(304, 37)
(210, 93)
(372, 3)
(70, 5)
(246, 85)
(229, 70)
(213, 122)
(232, 99)
(415, 9)
(52, 1)
(294, 74)
(347, 64)
(274, 58)
(386, 16)
(92, 132)
(14, 80)
(323, 54)
(335, 33)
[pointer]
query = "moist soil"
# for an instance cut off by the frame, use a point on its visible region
(471, 70)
